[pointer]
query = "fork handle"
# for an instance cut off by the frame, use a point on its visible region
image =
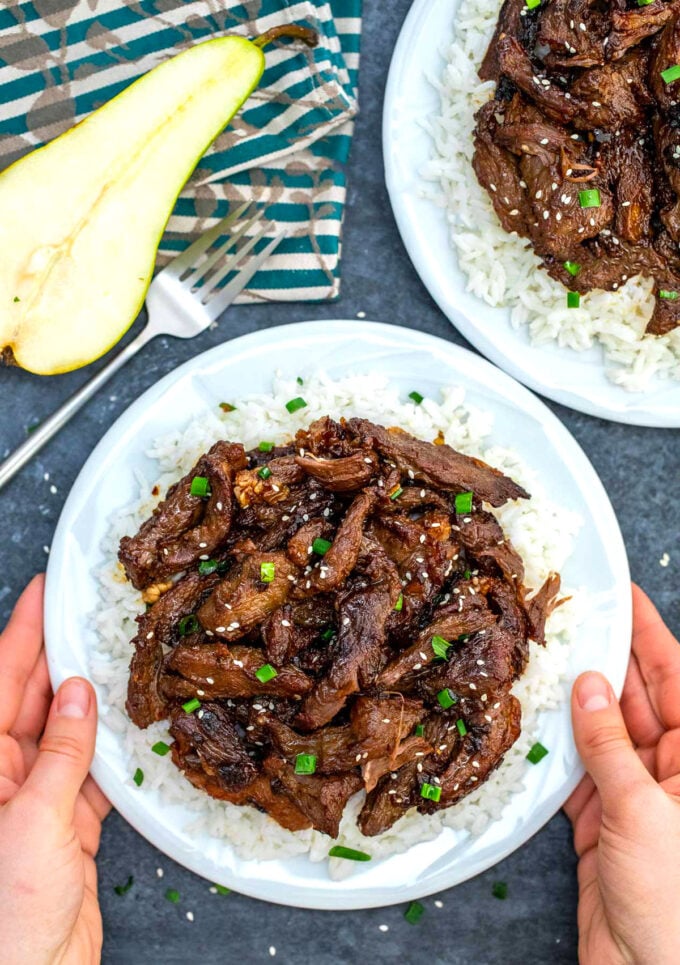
(51, 426)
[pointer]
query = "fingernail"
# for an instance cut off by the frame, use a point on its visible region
(593, 692)
(73, 699)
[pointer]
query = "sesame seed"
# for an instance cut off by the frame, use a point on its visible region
(159, 872)
(285, 623)
(384, 927)
(544, 140)
(219, 507)
(203, 545)
(209, 680)
(439, 904)
(272, 950)
(149, 634)
(546, 215)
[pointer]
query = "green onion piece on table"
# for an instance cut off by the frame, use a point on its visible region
(499, 889)
(172, 895)
(463, 502)
(440, 647)
(191, 705)
(590, 198)
(305, 763)
(414, 912)
(122, 889)
(200, 486)
(338, 851)
(267, 572)
(446, 698)
(416, 397)
(430, 792)
(321, 546)
(160, 748)
(266, 673)
(537, 753)
(221, 890)
(295, 404)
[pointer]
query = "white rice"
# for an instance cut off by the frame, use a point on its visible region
(501, 268)
(541, 531)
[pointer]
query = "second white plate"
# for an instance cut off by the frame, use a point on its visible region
(576, 379)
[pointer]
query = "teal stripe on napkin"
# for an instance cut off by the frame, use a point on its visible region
(286, 149)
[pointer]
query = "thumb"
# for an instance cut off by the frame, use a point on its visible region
(603, 742)
(66, 748)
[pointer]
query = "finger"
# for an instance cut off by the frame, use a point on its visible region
(66, 748)
(668, 756)
(658, 655)
(30, 719)
(587, 828)
(96, 798)
(642, 724)
(12, 764)
(603, 743)
(578, 798)
(20, 645)
(8, 789)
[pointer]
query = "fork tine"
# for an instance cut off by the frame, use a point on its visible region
(223, 298)
(188, 258)
(231, 263)
(215, 256)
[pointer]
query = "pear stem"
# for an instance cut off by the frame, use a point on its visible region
(306, 34)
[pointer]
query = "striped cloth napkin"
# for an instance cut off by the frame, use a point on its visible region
(286, 149)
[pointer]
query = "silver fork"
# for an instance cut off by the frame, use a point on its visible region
(177, 305)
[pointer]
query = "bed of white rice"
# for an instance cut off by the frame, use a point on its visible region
(542, 532)
(502, 269)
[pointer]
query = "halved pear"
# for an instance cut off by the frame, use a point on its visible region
(81, 218)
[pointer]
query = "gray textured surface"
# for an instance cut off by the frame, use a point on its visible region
(640, 469)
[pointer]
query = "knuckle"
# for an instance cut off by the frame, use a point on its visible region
(607, 739)
(63, 745)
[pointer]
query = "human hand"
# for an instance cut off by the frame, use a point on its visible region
(50, 810)
(626, 811)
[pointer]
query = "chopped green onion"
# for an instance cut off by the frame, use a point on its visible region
(172, 895)
(430, 791)
(440, 647)
(446, 698)
(670, 74)
(191, 705)
(532, 4)
(499, 889)
(221, 890)
(264, 473)
(396, 493)
(573, 267)
(188, 624)
(295, 404)
(305, 763)
(227, 407)
(338, 851)
(160, 748)
(467, 574)
(300, 380)
(537, 753)
(122, 889)
(399, 605)
(266, 446)
(644, 3)
(462, 729)
(267, 572)
(33, 426)
(590, 198)
(138, 777)
(200, 486)
(420, 730)
(416, 396)
(321, 546)
(463, 638)
(573, 299)
(327, 634)
(414, 912)
(206, 567)
(266, 673)
(16, 298)
(463, 502)
(671, 296)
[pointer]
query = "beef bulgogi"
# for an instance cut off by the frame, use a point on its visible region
(579, 149)
(338, 614)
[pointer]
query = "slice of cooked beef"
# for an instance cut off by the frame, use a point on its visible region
(559, 29)
(631, 25)
(627, 162)
(325, 438)
(249, 594)
(213, 736)
(540, 605)
(283, 639)
(215, 670)
(439, 466)
(184, 528)
(343, 475)
(497, 170)
(321, 799)
(484, 540)
(159, 626)
(513, 14)
(363, 609)
(339, 561)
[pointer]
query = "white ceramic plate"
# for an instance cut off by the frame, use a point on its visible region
(409, 358)
(575, 379)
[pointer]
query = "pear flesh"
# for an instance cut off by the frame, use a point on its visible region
(81, 218)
